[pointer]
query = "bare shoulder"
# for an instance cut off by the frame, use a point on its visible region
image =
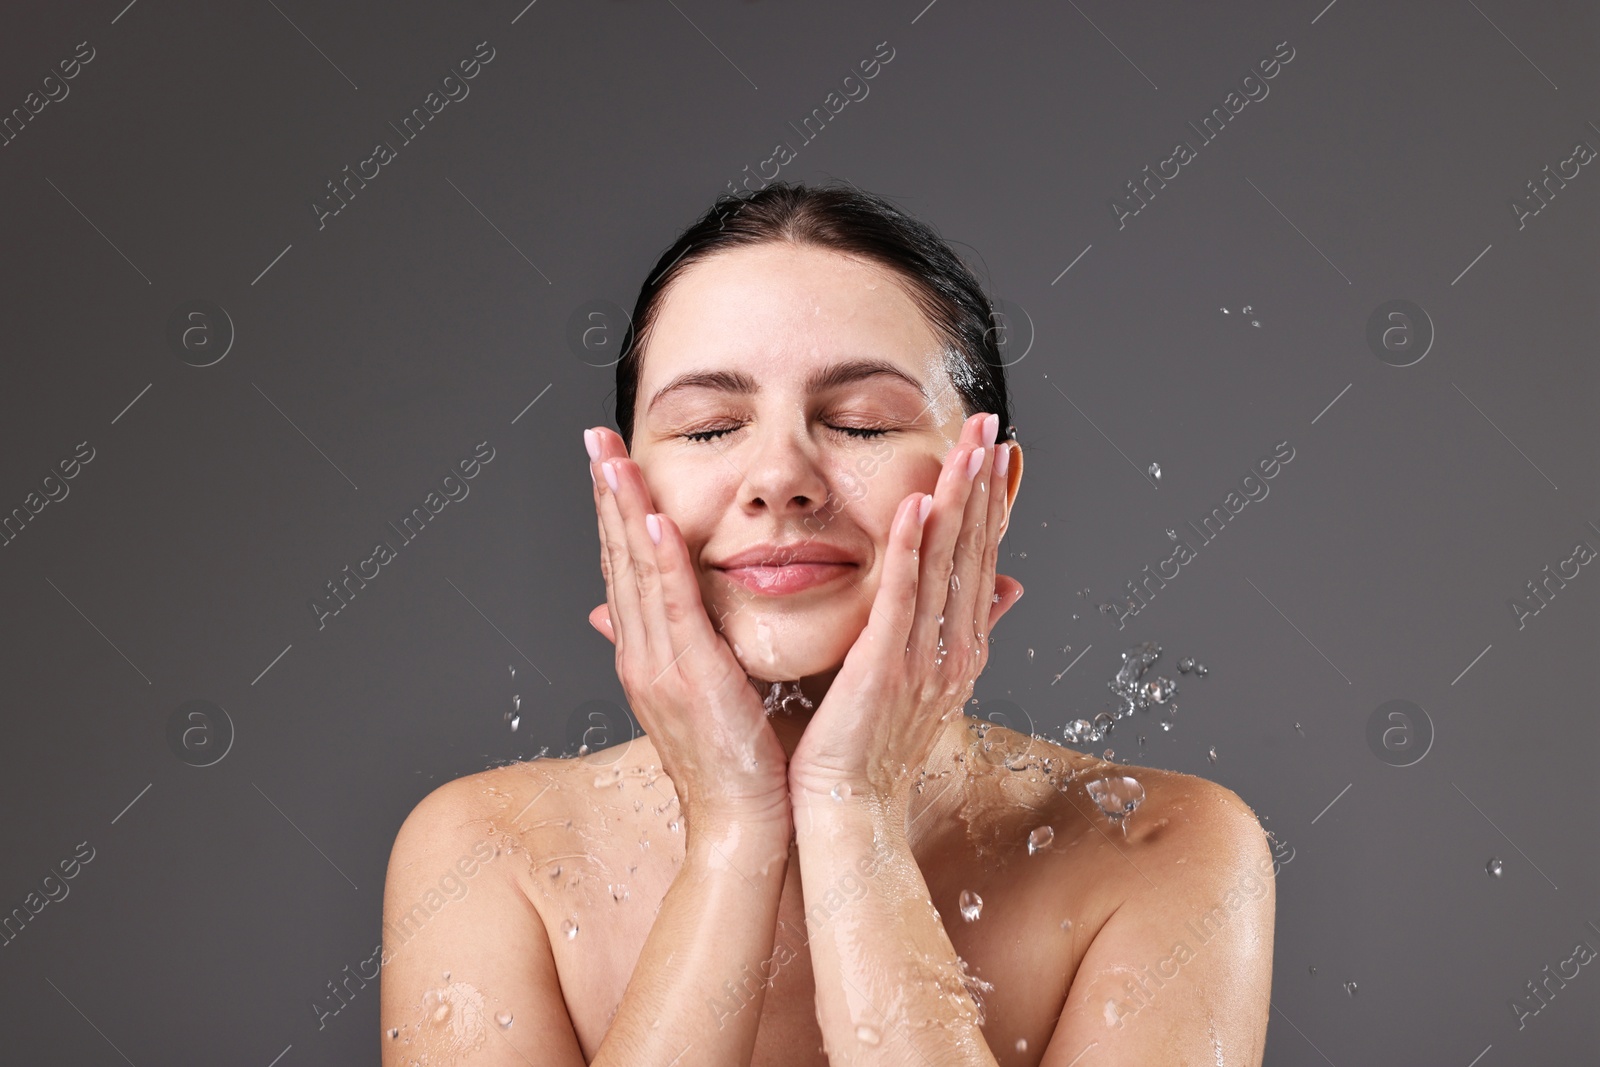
(463, 949)
(1182, 966)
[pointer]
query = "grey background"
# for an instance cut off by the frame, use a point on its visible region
(426, 317)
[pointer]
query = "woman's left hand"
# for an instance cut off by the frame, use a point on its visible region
(927, 638)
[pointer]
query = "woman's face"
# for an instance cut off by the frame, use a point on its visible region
(764, 447)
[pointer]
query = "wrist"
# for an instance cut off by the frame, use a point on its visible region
(842, 808)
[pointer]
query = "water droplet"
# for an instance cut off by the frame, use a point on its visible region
(941, 623)
(1166, 725)
(504, 1019)
(1030, 653)
(1350, 987)
(513, 670)
(1107, 755)
(1041, 837)
(1253, 322)
(1495, 867)
(516, 721)
(1186, 664)
(1211, 754)
(1201, 669)
(995, 599)
(1172, 535)
(1312, 968)
(1245, 310)
(570, 927)
(840, 791)
(1066, 924)
(619, 892)
(516, 703)
(867, 1035)
(394, 1032)
(447, 976)
(1225, 311)
(955, 583)
(1117, 798)
(672, 825)
(1022, 1044)
(1155, 471)
(1160, 690)
(436, 1002)
(971, 905)
(1080, 730)
(1299, 729)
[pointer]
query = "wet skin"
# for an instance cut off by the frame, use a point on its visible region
(597, 848)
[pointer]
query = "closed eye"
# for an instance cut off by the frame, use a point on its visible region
(858, 432)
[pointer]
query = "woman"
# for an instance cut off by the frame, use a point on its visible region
(809, 489)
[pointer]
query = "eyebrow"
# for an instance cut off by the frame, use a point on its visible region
(829, 377)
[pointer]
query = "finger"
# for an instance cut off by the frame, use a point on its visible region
(600, 619)
(631, 501)
(1007, 591)
(939, 533)
(622, 593)
(894, 606)
(969, 580)
(983, 597)
(701, 653)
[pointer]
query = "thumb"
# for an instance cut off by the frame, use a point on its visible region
(1009, 590)
(600, 619)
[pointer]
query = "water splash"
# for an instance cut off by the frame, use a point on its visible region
(1116, 797)
(782, 697)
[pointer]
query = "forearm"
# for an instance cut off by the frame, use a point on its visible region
(890, 986)
(692, 998)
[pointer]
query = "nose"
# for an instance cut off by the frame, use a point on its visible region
(784, 475)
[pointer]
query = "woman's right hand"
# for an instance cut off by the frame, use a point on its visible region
(694, 700)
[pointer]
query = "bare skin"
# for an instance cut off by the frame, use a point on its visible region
(639, 895)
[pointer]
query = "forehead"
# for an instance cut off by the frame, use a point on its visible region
(778, 310)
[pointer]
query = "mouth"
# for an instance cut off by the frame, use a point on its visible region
(781, 580)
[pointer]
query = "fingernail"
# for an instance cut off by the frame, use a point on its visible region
(923, 509)
(975, 462)
(991, 428)
(652, 526)
(1002, 461)
(611, 474)
(591, 441)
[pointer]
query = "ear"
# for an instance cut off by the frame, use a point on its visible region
(600, 619)
(1013, 482)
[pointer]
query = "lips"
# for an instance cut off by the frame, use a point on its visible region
(780, 569)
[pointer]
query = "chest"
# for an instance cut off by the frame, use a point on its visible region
(1019, 957)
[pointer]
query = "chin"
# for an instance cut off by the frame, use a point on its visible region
(780, 647)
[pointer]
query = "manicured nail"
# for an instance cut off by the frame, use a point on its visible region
(611, 474)
(652, 526)
(991, 428)
(591, 441)
(923, 508)
(1002, 461)
(975, 462)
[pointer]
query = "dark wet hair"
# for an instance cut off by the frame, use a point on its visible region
(840, 218)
